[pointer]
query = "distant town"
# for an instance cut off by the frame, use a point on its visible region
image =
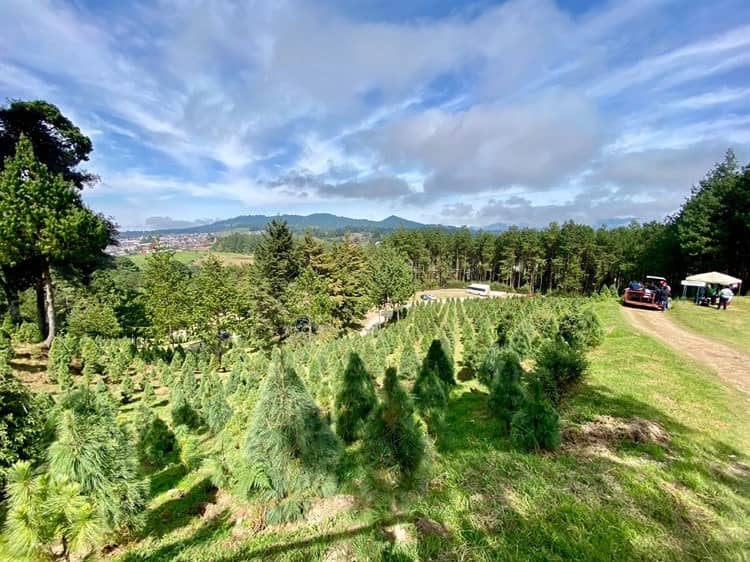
(128, 246)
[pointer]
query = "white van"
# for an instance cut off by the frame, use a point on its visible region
(478, 289)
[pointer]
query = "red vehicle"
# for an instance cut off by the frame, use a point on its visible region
(644, 295)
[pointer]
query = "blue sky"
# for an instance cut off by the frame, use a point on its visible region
(523, 111)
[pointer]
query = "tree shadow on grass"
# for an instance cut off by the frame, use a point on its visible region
(249, 552)
(166, 479)
(469, 424)
(206, 533)
(179, 511)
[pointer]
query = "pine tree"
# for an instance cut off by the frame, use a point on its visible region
(98, 454)
(157, 444)
(126, 390)
(393, 438)
(354, 401)
(47, 515)
(409, 366)
(506, 396)
(149, 396)
(437, 359)
(21, 421)
(59, 363)
(536, 424)
(290, 452)
(430, 399)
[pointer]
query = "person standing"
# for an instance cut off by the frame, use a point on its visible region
(666, 292)
(725, 295)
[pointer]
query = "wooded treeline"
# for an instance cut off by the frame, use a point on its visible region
(711, 231)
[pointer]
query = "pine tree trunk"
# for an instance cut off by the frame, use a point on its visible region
(49, 303)
(41, 311)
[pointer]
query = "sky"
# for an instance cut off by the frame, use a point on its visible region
(464, 113)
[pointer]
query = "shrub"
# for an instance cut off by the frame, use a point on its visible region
(393, 438)
(559, 366)
(536, 424)
(354, 401)
(506, 395)
(28, 332)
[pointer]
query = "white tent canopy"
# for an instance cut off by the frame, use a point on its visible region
(715, 278)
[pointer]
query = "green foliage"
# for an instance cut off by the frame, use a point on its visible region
(60, 357)
(288, 445)
(393, 438)
(28, 332)
(506, 396)
(536, 424)
(127, 389)
(157, 444)
(45, 512)
(90, 356)
(430, 399)
(437, 360)
(189, 448)
(98, 454)
(409, 367)
(391, 278)
(354, 400)
(93, 317)
(165, 295)
(558, 367)
(21, 421)
(214, 306)
(57, 229)
(183, 412)
(149, 396)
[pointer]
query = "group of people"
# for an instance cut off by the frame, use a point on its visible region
(661, 292)
(710, 295)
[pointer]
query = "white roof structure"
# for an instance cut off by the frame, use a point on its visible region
(715, 278)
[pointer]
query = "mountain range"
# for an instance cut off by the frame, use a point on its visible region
(320, 221)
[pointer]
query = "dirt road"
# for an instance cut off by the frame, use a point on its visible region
(730, 365)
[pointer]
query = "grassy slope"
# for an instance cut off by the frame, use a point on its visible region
(189, 256)
(732, 327)
(690, 500)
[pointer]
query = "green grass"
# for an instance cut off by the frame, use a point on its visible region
(189, 257)
(731, 326)
(688, 500)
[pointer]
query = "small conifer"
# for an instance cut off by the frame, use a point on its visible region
(439, 361)
(430, 399)
(393, 438)
(289, 451)
(536, 424)
(506, 395)
(354, 401)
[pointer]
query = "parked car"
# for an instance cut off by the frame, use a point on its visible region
(428, 297)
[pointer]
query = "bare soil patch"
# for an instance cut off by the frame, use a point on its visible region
(732, 366)
(329, 508)
(606, 430)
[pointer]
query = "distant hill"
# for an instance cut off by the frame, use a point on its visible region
(321, 221)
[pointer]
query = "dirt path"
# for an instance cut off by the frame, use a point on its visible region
(732, 366)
